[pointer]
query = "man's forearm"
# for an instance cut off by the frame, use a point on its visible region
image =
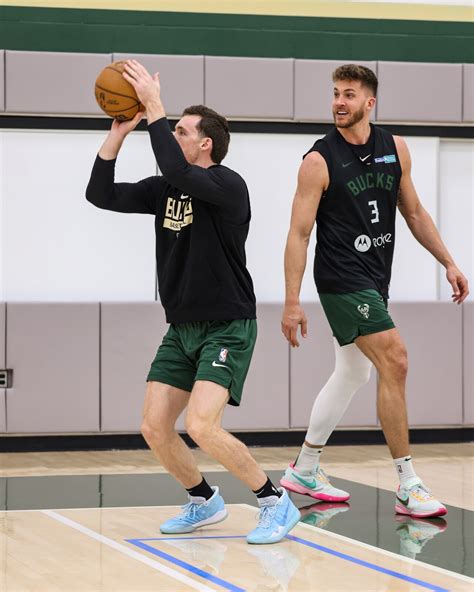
(295, 264)
(110, 148)
(424, 230)
(154, 110)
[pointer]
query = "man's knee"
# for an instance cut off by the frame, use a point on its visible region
(359, 375)
(354, 375)
(159, 435)
(199, 428)
(396, 362)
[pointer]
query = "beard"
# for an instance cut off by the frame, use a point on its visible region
(353, 119)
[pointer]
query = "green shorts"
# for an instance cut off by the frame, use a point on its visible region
(356, 313)
(219, 351)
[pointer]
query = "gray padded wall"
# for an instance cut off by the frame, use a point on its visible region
(2, 80)
(250, 87)
(53, 83)
(53, 350)
(314, 88)
(255, 88)
(432, 332)
(130, 336)
(181, 77)
(265, 401)
(468, 366)
(312, 364)
(2, 365)
(468, 92)
(419, 92)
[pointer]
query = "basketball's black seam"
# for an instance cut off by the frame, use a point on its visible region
(120, 110)
(118, 94)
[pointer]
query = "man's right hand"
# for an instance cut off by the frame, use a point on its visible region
(118, 132)
(293, 316)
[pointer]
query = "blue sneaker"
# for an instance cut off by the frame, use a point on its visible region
(196, 514)
(275, 521)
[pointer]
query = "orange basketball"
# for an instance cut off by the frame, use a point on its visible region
(115, 95)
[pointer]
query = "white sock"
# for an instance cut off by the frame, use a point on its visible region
(308, 459)
(405, 471)
(351, 372)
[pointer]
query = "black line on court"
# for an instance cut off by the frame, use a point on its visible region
(284, 437)
(369, 516)
(244, 127)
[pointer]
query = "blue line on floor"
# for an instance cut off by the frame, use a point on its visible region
(193, 538)
(187, 566)
(383, 570)
(229, 586)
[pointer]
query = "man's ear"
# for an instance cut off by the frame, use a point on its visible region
(206, 144)
(371, 103)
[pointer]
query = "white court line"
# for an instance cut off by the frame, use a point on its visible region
(345, 539)
(129, 552)
(98, 508)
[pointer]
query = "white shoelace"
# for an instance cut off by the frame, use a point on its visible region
(422, 491)
(266, 515)
(190, 510)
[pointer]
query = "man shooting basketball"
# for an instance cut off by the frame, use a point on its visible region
(351, 182)
(202, 216)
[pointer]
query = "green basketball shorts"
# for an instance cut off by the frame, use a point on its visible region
(218, 351)
(356, 313)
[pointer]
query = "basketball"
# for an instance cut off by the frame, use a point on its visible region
(114, 95)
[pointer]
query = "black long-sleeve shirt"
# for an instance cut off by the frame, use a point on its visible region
(202, 220)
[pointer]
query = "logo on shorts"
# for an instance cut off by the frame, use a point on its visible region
(364, 310)
(223, 354)
(362, 243)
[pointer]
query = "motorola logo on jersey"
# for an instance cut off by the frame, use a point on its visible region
(363, 242)
(382, 240)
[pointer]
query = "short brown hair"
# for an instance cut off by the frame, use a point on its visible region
(213, 126)
(354, 72)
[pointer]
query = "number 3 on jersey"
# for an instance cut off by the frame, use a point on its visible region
(374, 211)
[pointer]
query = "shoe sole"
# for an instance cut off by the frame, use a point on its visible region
(215, 519)
(305, 491)
(406, 512)
(290, 526)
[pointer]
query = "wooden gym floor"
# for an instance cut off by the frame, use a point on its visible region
(88, 521)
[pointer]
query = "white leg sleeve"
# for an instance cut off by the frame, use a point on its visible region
(352, 370)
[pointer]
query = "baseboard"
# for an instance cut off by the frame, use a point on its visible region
(54, 443)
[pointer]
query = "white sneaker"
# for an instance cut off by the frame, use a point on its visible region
(418, 501)
(314, 484)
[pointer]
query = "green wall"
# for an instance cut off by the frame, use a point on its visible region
(106, 31)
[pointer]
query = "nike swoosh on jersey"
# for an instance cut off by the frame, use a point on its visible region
(215, 364)
(365, 158)
(346, 164)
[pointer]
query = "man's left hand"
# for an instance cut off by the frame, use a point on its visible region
(147, 87)
(458, 283)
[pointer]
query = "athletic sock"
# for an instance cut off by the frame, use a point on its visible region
(405, 471)
(308, 459)
(266, 493)
(203, 490)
